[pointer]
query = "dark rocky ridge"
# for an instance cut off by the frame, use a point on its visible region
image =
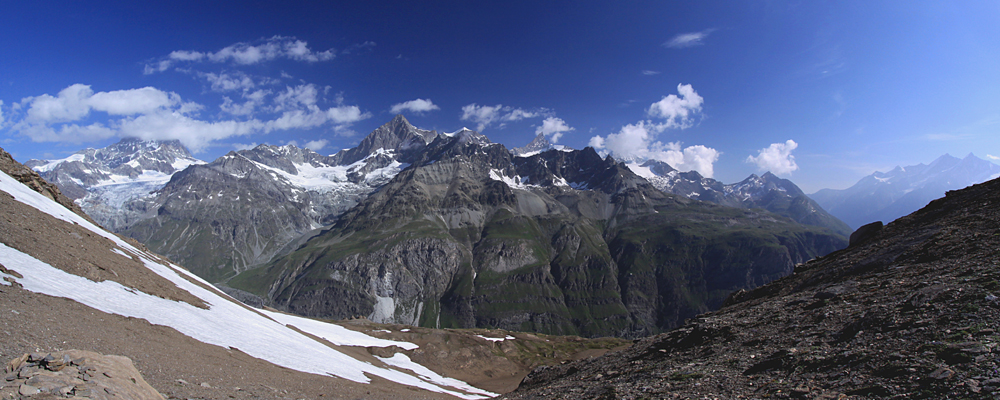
(908, 312)
(560, 242)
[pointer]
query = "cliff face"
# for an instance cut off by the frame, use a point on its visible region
(559, 242)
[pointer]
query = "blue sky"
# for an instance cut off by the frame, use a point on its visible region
(822, 93)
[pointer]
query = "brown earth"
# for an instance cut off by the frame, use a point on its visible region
(910, 312)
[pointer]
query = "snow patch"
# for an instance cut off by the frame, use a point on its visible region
(400, 360)
(508, 337)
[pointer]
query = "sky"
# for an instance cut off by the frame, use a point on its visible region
(822, 93)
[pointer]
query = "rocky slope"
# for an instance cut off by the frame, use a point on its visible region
(560, 242)
(103, 180)
(885, 196)
(238, 211)
(767, 191)
(908, 311)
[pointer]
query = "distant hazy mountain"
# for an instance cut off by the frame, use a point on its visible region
(767, 191)
(885, 196)
(102, 180)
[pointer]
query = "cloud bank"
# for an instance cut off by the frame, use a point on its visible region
(77, 114)
(418, 106)
(776, 158)
(637, 142)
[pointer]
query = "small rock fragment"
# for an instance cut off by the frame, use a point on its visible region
(942, 373)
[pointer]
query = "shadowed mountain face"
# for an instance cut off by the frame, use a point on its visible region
(561, 242)
(885, 196)
(905, 312)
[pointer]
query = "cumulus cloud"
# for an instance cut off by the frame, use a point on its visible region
(418, 106)
(776, 158)
(637, 142)
(245, 53)
(689, 39)
(553, 128)
(152, 114)
(484, 116)
(678, 111)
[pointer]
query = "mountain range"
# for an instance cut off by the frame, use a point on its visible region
(452, 230)
(562, 241)
(885, 196)
(903, 312)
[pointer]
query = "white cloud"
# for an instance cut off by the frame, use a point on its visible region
(636, 142)
(485, 115)
(254, 100)
(151, 114)
(244, 53)
(650, 72)
(518, 114)
(1, 113)
(554, 127)
(418, 106)
(990, 156)
(225, 82)
(690, 39)
(182, 55)
(677, 111)
(76, 102)
(295, 97)
(244, 146)
(776, 158)
(317, 145)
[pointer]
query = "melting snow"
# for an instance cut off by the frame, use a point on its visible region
(508, 337)
(400, 360)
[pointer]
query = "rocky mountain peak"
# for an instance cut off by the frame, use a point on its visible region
(397, 134)
(539, 144)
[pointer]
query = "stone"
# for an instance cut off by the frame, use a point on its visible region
(27, 390)
(942, 373)
(205, 385)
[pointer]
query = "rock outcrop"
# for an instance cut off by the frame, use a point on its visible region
(74, 374)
